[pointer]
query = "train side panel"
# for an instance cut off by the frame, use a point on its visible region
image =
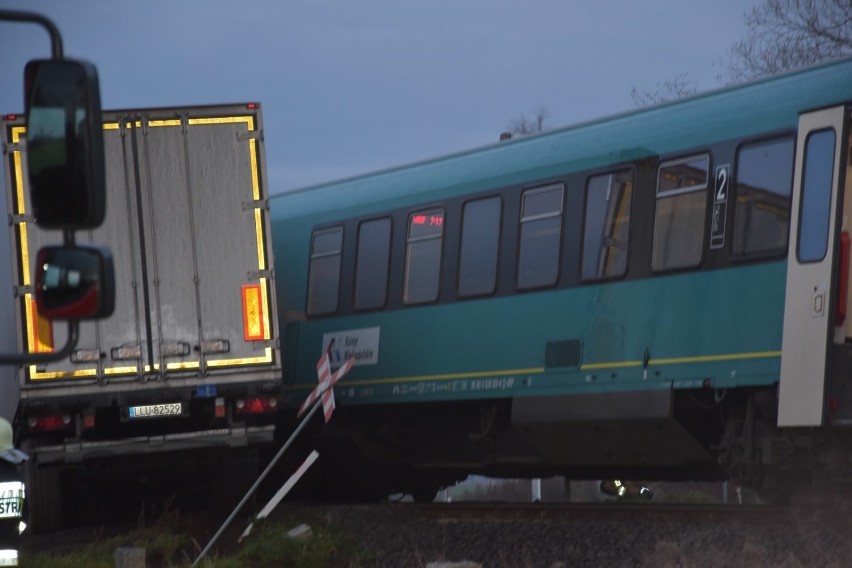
(667, 367)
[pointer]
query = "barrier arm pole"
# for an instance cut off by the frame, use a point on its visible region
(317, 404)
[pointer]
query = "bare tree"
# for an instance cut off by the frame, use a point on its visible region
(668, 90)
(527, 126)
(787, 34)
(782, 35)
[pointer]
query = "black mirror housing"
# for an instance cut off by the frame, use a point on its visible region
(75, 283)
(65, 148)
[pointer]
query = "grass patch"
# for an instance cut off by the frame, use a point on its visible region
(167, 543)
(163, 548)
(269, 546)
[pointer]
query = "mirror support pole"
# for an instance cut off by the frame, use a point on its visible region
(36, 358)
(56, 50)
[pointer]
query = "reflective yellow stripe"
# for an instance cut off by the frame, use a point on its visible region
(7, 486)
(224, 120)
(446, 377)
(157, 123)
(264, 300)
(11, 499)
(8, 557)
(36, 375)
(541, 370)
(266, 358)
(683, 360)
(20, 202)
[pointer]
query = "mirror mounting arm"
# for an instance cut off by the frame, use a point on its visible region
(36, 358)
(55, 39)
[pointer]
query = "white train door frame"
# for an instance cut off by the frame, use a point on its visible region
(808, 318)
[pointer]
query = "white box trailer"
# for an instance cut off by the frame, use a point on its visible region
(190, 359)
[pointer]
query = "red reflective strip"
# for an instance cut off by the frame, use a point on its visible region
(328, 404)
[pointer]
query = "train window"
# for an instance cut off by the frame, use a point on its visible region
(607, 225)
(324, 271)
(764, 181)
(480, 242)
(423, 256)
(816, 196)
(680, 213)
(541, 232)
(371, 265)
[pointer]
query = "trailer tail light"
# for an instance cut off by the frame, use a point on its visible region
(256, 405)
(49, 422)
(253, 315)
(42, 331)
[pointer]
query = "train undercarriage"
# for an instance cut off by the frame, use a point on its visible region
(705, 435)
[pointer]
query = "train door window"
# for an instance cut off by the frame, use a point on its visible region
(541, 233)
(680, 213)
(816, 196)
(324, 271)
(764, 181)
(371, 265)
(480, 243)
(423, 256)
(607, 225)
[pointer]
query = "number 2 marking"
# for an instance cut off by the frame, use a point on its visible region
(721, 184)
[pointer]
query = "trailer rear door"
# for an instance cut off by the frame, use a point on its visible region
(187, 226)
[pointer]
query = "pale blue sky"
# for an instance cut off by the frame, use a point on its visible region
(350, 86)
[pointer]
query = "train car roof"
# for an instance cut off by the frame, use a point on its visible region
(766, 105)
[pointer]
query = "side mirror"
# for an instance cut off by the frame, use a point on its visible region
(65, 166)
(74, 283)
(65, 146)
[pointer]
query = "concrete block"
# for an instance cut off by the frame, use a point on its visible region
(127, 557)
(301, 532)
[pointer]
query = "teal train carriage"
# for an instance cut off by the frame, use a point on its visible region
(660, 294)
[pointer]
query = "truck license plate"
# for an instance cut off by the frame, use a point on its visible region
(155, 410)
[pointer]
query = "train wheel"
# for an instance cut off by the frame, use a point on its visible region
(424, 491)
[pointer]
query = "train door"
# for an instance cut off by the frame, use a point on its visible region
(813, 266)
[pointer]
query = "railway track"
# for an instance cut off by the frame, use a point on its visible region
(600, 534)
(545, 534)
(469, 511)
